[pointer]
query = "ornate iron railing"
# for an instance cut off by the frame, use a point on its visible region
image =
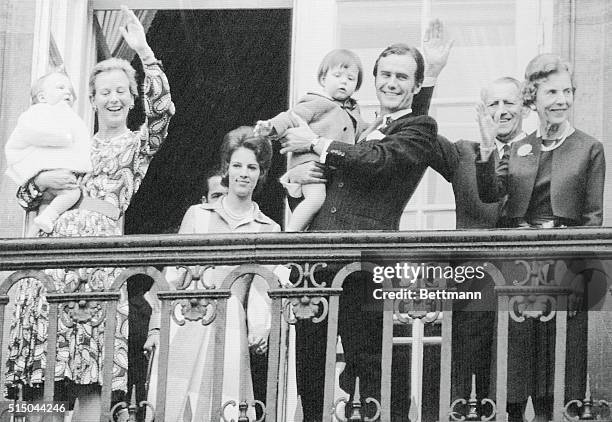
(541, 292)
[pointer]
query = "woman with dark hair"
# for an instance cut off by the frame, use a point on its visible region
(245, 161)
(120, 158)
(555, 176)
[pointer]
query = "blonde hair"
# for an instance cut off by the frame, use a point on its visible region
(38, 85)
(109, 65)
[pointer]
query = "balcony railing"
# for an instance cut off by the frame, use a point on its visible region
(547, 262)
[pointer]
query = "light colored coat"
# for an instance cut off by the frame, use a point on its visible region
(47, 137)
(329, 118)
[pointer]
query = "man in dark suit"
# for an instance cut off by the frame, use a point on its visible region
(501, 98)
(474, 321)
(368, 190)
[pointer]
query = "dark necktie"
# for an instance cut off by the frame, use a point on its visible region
(348, 104)
(379, 124)
(506, 152)
(386, 122)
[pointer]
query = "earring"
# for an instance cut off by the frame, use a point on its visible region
(95, 109)
(131, 106)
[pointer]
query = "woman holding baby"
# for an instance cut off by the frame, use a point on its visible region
(119, 160)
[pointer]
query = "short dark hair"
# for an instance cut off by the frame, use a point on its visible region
(209, 174)
(243, 137)
(343, 58)
(405, 50)
(538, 70)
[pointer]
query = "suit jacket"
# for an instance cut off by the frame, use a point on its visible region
(577, 180)
(470, 211)
(374, 179)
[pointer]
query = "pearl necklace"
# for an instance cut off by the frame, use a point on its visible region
(234, 216)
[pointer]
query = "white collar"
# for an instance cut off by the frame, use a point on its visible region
(569, 129)
(394, 116)
(255, 214)
(500, 145)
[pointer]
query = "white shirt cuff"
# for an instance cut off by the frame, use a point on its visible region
(283, 274)
(323, 155)
(429, 81)
(485, 153)
(294, 190)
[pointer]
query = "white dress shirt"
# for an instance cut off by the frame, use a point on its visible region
(295, 189)
(500, 145)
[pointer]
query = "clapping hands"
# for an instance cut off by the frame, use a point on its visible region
(489, 126)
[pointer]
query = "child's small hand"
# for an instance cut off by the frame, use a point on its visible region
(263, 128)
(258, 344)
(152, 341)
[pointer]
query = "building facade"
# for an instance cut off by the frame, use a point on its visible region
(492, 39)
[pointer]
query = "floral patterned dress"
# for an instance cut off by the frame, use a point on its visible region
(119, 165)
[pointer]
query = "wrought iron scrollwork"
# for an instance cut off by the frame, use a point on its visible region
(355, 407)
(194, 309)
(306, 274)
(194, 277)
(74, 279)
(243, 407)
(588, 409)
(542, 307)
(410, 306)
(472, 411)
(305, 307)
(537, 273)
(427, 310)
(81, 312)
(131, 408)
(312, 305)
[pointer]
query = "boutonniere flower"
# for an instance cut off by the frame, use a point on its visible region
(524, 150)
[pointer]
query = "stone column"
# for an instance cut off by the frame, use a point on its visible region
(583, 34)
(17, 19)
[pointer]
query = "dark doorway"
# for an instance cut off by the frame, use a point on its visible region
(226, 68)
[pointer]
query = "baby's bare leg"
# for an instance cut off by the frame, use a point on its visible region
(63, 201)
(314, 196)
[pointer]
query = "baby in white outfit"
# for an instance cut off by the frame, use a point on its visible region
(49, 135)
